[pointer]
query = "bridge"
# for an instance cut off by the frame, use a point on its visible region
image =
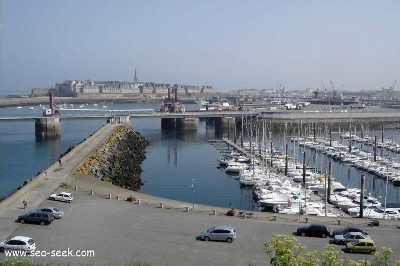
(373, 113)
(224, 119)
(135, 113)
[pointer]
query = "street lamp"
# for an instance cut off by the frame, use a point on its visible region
(194, 191)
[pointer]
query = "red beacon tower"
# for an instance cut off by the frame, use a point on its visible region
(53, 110)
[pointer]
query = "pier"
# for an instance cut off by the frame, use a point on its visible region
(38, 188)
(338, 213)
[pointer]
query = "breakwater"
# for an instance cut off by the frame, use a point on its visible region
(45, 182)
(118, 159)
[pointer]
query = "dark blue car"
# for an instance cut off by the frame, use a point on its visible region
(316, 230)
(345, 230)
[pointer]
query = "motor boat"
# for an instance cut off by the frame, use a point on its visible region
(274, 199)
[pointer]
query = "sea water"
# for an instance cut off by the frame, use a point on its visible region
(180, 165)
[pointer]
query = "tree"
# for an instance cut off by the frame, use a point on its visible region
(384, 258)
(284, 250)
(16, 262)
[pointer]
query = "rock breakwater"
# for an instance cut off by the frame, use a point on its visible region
(118, 159)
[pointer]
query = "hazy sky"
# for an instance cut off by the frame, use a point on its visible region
(228, 44)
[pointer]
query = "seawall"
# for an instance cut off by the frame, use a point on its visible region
(50, 174)
(118, 159)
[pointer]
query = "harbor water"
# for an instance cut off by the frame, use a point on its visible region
(179, 165)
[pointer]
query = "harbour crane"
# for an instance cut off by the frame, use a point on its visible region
(392, 88)
(333, 87)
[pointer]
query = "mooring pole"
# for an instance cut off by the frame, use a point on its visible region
(383, 144)
(314, 131)
(286, 160)
(229, 129)
(304, 168)
(304, 182)
(350, 142)
(241, 135)
(234, 132)
(271, 151)
(329, 181)
(362, 197)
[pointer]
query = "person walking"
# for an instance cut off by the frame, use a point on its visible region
(25, 203)
(59, 162)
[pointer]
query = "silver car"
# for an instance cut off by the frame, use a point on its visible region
(62, 196)
(219, 233)
(18, 243)
(349, 237)
(57, 213)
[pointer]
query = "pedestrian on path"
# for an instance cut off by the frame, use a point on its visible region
(25, 203)
(59, 162)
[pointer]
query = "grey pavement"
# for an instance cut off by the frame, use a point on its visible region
(44, 184)
(121, 231)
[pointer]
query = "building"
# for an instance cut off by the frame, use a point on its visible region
(76, 88)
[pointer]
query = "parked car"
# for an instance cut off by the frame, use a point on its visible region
(53, 210)
(19, 243)
(36, 217)
(219, 233)
(318, 230)
(344, 230)
(349, 237)
(62, 196)
(361, 246)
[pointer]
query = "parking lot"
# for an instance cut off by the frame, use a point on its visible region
(120, 231)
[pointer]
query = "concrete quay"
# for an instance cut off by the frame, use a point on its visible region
(152, 229)
(41, 186)
(324, 114)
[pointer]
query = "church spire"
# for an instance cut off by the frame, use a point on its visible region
(135, 79)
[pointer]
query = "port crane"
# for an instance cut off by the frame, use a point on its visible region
(392, 88)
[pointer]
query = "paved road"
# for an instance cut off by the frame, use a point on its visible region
(44, 184)
(120, 231)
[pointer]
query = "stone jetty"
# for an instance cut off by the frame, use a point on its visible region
(118, 159)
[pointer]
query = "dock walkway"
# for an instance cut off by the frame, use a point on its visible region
(237, 147)
(313, 198)
(41, 186)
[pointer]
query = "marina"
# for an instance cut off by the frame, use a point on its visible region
(273, 176)
(183, 165)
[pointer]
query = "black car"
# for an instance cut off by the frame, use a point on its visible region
(345, 230)
(36, 217)
(318, 230)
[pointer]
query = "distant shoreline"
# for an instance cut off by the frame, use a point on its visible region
(15, 101)
(26, 100)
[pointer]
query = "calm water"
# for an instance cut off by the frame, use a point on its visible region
(181, 166)
(178, 166)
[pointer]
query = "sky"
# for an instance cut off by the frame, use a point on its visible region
(230, 45)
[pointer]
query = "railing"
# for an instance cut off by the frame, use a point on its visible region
(136, 113)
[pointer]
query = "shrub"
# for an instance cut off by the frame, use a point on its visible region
(131, 198)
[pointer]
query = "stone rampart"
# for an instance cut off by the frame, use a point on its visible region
(118, 159)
